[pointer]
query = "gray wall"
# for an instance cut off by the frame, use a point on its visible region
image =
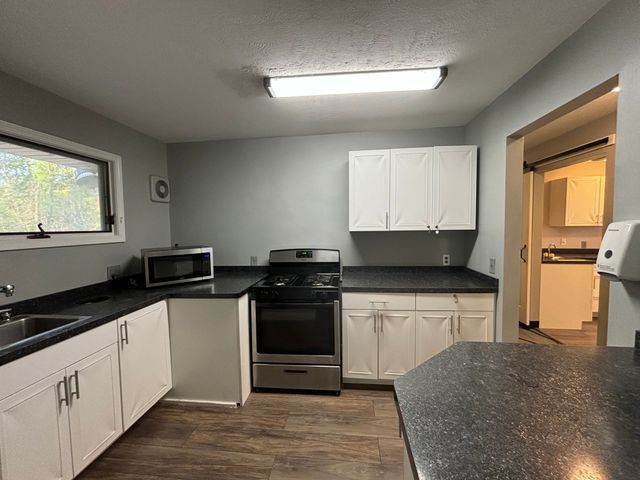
(607, 45)
(42, 271)
(245, 197)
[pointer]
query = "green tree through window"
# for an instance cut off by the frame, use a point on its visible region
(63, 193)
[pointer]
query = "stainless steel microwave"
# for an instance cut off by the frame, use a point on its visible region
(173, 265)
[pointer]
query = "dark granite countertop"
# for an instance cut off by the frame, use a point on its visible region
(417, 280)
(228, 283)
(570, 256)
(513, 411)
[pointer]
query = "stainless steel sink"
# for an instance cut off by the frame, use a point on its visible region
(22, 327)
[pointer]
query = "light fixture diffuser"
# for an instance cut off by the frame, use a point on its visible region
(356, 82)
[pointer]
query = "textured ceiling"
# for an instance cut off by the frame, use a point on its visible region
(191, 70)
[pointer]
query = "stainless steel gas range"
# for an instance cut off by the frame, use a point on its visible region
(295, 321)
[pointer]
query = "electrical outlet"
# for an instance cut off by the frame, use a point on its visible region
(583, 244)
(446, 259)
(113, 272)
(254, 260)
(492, 265)
(563, 241)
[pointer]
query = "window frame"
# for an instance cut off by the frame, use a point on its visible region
(19, 241)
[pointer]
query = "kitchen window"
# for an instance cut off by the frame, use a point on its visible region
(54, 192)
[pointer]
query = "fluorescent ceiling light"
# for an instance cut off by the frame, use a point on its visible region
(358, 82)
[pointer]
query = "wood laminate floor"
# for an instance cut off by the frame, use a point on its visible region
(273, 437)
(586, 336)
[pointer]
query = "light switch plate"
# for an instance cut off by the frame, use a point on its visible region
(446, 259)
(492, 265)
(253, 260)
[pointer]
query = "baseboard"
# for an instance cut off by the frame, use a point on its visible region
(532, 324)
(200, 402)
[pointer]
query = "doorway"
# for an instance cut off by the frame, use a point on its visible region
(567, 201)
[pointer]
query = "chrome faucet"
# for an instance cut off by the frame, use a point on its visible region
(5, 315)
(551, 245)
(7, 290)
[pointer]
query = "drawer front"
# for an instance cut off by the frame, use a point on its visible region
(483, 302)
(379, 301)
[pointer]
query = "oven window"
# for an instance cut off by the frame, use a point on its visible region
(178, 267)
(295, 329)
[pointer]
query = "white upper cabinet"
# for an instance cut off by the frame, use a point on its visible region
(369, 190)
(576, 201)
(410, 188)
(429, 188)
(454, 187)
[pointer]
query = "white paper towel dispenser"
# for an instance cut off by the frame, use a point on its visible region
(619, 254)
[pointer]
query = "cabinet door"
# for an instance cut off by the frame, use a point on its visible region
(474, 327)
(434, 333)
(34, 432)
(369, 190)
(360, 344)
(410, 200)
(583, 201)
(95, 413)
(454, 187)
(601, 197)
(145, 362)
(397, 344)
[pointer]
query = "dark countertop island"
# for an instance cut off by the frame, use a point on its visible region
(112, 300)
(513, 411)
(416, 280)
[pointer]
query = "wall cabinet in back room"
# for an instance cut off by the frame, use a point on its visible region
(413, 189)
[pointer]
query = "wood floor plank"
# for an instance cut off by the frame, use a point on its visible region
(362, 394)
(94, 473)
(291, 468)
(154, 432)
(385, 408)
(288, 443)
(227, 417)
(182, 463)
(391, 451)
(310, 403)
(342, 424)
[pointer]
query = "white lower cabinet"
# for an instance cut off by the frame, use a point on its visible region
(434, 333)
(377, 344)
(396, 343)
(95, 414)
(145, 360)
(60, 407)
(34, 424)
(474, 327)
(360, 344)
(381, 344)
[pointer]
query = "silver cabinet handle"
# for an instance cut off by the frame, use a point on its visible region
(375, 321)
(387, 220)
(381, 323)
(124, 334)
(458, 324)
(76, 381)
(63, 400)
(455, 298)
(451, 324)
